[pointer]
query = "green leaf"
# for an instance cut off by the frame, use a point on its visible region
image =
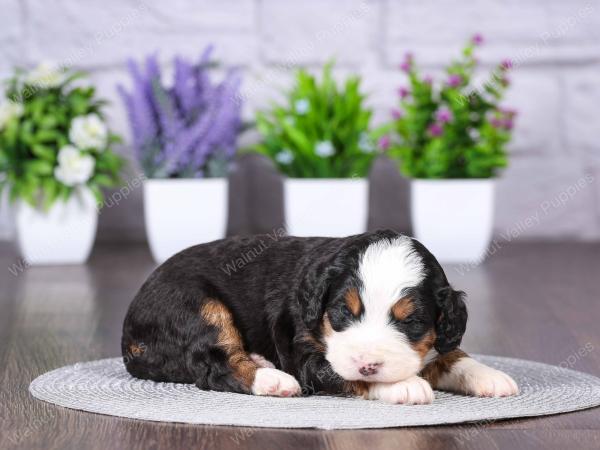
(39, 167)
(44, 152)
(51, 190)
(98, 195)
(103, 180)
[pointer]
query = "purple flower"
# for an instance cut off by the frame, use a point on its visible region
(454, 80)
(443, 115)
(477, 39)
(503, 118)
(396, 114)
(428, 79)
(188, 130)
(506, 64)
(435, 129)
(406, 65)
(403, 92)
(508, 112)
(384, 142)
(496, 122)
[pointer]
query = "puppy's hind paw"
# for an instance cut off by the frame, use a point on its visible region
(273, 382)
(474, 378)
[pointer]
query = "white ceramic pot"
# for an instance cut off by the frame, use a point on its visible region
(62, 235)
(326, 206)
(180, 213)
(453, 218)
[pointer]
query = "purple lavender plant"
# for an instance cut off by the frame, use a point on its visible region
(188, 130)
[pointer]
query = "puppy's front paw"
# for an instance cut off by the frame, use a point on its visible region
(277, 383)
(412, 391)
(474, 378)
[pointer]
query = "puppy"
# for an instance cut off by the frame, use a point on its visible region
(370, 315)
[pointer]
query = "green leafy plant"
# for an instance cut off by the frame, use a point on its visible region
(454, 129)
(53, 138)
(322, 131)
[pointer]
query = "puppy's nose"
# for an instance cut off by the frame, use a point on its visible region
(369, 369)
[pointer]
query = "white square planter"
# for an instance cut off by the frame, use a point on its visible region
(180, 213)
(62, 235)
(326, 207)
(453, 218)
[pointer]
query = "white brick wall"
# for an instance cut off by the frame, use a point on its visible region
(556, 84)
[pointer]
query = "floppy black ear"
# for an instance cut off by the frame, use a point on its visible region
(314, 292)
(451, 321)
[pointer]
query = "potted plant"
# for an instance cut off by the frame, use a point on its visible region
(450, 138)
(55, 156)
(320, 140)
(184, 137)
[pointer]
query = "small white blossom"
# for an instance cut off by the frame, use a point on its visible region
(74, 167)
(324, 149)
(473, 133)
(302, 106)
(365, 144)
(46, 75)
(290, 120)
(88, 132)
(284, 157)
(8, 111)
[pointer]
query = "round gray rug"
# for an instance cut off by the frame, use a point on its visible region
(105, 387)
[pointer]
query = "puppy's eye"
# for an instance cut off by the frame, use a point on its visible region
(410, 320)
(346, 311)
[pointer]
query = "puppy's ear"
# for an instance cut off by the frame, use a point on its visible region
(451, 321)
(323, 272)
(314, 292)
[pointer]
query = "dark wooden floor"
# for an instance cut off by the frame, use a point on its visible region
(535, 301)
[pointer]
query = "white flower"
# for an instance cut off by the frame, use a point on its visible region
(324, 149)
(46, 75)
(284, 157)
(474, 133)
(74, 167)
(8, 111)
(302, 106)
(88, 132)
(290, 121)
(365, 144)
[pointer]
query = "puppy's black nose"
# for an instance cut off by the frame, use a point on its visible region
(369, 369)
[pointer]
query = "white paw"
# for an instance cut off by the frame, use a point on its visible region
(268, 381)
(261, 361)
(412, 391)
(473, 378)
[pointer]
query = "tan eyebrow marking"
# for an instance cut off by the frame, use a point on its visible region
(353, 302)
(403, 308)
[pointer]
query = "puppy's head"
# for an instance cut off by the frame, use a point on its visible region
(383, 315)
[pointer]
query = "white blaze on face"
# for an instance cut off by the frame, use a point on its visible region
(385, 269)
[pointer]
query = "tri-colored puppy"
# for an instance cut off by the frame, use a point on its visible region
(370, 315)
